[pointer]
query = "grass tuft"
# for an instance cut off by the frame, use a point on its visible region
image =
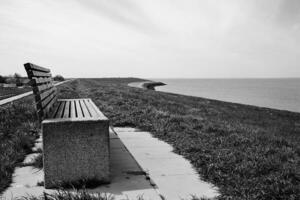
(80, 184)
(38, 161)
(69, 195)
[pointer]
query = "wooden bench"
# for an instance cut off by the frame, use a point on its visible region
(75, 134)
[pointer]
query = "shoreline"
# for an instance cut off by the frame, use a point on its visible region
(237, 95)
(150, 85)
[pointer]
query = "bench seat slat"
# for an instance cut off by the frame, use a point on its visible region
(66, 110)
(60, 110)
(100, 114)
(73, 111)
(78, 109)
(55, 110)
(84, 109)
(91, 108)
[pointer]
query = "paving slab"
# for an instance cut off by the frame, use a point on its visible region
(128, 180)
(172, 173)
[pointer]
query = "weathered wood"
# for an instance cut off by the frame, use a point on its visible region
(39, 89)
(38, 74)
(100, 114)
(55, 110)
(60, 110)
(84, 109)
(78, 109)
(49, 108)
(90, 108)
(43, 103)
(45, 94)
(30, 66)
(67, 110)
(43, 88)
(38, 81)
(73, 111)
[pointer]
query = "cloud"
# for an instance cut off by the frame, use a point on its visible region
(157, 38)
(124, 12)
(289, 12)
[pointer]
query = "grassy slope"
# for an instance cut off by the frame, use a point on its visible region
(248, 152)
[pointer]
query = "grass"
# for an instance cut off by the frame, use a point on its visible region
(38, 161)
(67, 195)
(84, 195)
(9, 92)
(247, 151)
(18, 130)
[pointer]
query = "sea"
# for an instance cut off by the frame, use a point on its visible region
(282, 94)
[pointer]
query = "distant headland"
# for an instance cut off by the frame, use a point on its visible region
(150, 85)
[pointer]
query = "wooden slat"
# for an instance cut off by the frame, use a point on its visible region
(67, 110)
(45, 110)
(39, 89)
(30, 66)
(48, 109)
(42, 104)
(73, 111)
(40, 114)
(78, 109)
(90, 108)
(38, 81)
(53, 113)
(38, 74)
(45, 94)
(60, 110)
(100, 114)
(84, 109)
(44, 90)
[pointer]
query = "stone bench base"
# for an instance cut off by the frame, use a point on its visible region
(76, 149)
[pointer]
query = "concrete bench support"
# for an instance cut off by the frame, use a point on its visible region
(75, 151)
(76, 148)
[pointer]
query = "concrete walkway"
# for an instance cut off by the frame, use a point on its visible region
(173, 174)
(140, 166)
(128, 180)
(13, 98)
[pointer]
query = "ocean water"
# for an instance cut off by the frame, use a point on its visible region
(283, 94)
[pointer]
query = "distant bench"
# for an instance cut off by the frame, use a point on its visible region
(75, 134)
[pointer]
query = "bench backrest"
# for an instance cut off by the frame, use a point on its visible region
(44, 91)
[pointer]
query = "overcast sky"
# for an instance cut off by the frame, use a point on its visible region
(152, 38)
